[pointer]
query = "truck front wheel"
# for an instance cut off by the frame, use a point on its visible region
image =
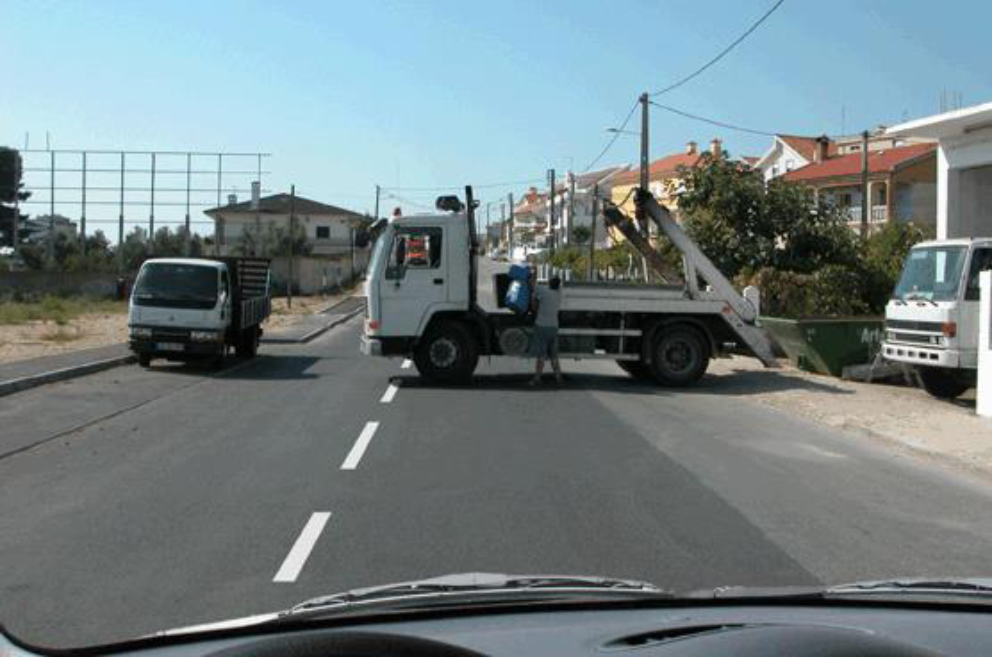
(637, 369)
(145, 360)
(680, 356)
(247, 346)
(447, 354)
(941, 383)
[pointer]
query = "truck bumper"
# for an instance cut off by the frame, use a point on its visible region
(371, 346)
(920, 355)
(177, 350)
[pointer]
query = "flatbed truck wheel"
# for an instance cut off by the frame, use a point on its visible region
(941, 383)
(247, 346)
(446, 354)
(680, 356)
(145, 360)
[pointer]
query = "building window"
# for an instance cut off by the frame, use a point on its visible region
(774, 171)
(323, 232)
(789, 165)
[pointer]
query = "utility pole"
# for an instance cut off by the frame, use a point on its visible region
(82, 217)
(502, 220)
(377, 192)
(571, 208)
(120, 223)
(551, 214)
(351, 245)
(292, 225)
(865, 201)
(509, 201)
(50, 251)
(151, 211)
(645, 166)
(189, 165)
(592, 232)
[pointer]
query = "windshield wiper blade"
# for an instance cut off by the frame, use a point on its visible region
(475, 583)
(972, 586)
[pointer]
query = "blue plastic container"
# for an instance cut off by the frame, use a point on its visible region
(519, 273)
(518, 297)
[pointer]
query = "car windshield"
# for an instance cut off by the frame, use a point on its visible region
(301, 298)
(931, 273)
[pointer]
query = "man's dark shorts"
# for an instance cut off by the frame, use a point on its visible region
(544, 342)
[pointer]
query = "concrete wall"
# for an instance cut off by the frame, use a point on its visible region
(964, 187)
(56, 282)
(316, 275)
(234, 225)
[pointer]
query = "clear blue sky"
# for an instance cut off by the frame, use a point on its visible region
(349, 94)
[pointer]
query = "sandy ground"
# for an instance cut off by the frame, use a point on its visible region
(34, 339)
(906, 417)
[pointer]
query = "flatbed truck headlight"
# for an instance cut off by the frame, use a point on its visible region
(140, 332)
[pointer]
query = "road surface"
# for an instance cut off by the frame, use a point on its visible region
(155, 499)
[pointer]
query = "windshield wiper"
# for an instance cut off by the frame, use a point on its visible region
(475, 583)
(918, 297)
(978, 586)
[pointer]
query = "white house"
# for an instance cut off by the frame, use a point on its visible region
(586, 186)
(328, 228)
(964, 168)
(790, 152)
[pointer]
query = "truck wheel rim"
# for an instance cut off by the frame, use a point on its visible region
(443, 353)
(678, 355)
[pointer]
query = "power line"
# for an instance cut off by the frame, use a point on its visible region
(510, 183)
(722, 53)
(616, 135)
(721, 124)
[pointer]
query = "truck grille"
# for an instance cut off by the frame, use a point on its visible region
(911, 325)
(915, 338)
(170, 335)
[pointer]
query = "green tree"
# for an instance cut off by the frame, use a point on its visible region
(11, 193)
(742, 224)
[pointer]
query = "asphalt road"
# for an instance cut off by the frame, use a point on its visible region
(154, 499)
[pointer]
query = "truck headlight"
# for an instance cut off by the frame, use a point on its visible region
(140, 332)
(204, 336)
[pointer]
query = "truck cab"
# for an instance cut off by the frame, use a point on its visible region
(931, 320)
(420, 268)
(196, 308)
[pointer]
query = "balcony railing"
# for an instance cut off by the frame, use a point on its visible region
(877, 214)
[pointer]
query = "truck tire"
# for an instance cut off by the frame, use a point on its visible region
(447, 354)
(679, 356)
(145, 360)
(247, 346)
(941, 383)
(637, 369)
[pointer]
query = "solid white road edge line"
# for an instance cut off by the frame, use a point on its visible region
(406, 363)
(358, 449)
(389, 394)
(298, 554)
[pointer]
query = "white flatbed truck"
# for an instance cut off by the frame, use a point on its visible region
(428, 310)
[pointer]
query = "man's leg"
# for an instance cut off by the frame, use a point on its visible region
(538, 372)
(553, 354)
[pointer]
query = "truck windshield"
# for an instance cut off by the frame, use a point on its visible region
(931, 273)
(176, 285)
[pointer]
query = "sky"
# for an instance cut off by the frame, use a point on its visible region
(348, 95)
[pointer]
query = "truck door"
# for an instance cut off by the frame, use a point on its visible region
(981, 260)
(414, 281)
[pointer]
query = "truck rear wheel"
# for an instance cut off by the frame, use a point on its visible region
(679, 357)
(447, 354)
(247, 346)
(145, 360)
(942, 383)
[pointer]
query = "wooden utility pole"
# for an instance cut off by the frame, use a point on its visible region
(571, 208)
(865, 200)
(377, 192)
(509, 201)
(292, 225)
(551, 215)
(645, 166)
(592, 232)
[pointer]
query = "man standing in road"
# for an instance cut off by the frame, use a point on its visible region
(545, 340)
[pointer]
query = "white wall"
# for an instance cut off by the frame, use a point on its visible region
(235, 225)
(964, 187)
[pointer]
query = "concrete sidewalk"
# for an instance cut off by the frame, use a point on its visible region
(308, 327)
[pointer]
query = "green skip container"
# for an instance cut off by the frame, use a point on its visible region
(827, 345)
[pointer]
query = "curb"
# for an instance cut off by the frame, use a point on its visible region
(327, 327)
(27, 382)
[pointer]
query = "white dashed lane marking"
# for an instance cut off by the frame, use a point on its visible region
(406, 363)
(387, 396)
(301, 549)
(358, 449)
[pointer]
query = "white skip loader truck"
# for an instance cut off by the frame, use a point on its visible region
(931, 320)
(427, 308)
(198, 308)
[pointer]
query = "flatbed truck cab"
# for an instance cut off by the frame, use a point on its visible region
(931, 320)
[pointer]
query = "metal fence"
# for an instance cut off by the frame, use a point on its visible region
(103, 189)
